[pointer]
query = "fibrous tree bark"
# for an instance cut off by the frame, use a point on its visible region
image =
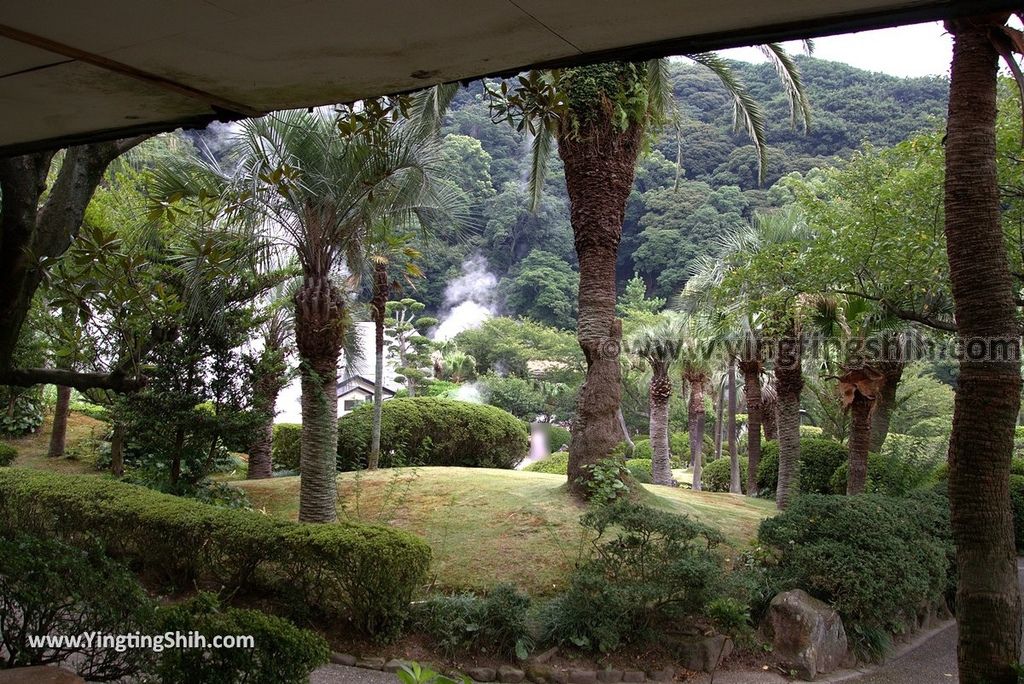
(735, 487)
(59, 431)
(789, 382)
(988, 394)
(660, 394)
(751, 369)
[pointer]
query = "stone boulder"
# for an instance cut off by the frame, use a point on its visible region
(703, 653)
(806, 634)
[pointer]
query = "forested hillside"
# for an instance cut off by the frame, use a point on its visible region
(674, 214)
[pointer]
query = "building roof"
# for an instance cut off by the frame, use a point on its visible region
(78, 71)
(361, 382)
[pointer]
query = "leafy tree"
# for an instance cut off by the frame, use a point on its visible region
(408, 345)
(543, 287)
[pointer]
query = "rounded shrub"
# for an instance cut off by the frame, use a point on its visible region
(431, 431)
(640, 469)
(558, 437)
(876, 559)
(286, 451)
(819, 459)
(811, 431)
(768, 467)
(555, 464)
(7, 454)
(716, 476)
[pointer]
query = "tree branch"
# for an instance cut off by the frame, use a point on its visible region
(27, 377)
(904, 314)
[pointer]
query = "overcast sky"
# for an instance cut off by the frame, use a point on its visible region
(918, 50)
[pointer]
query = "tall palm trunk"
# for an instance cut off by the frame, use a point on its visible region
(319, 321)
(789, 383)
(599, 160)
(696, 419)
(735, 487)
(267, 386)
(988, 395)
(719, 419)
(751, 370)
(892, 371)
(58, 435)
(770, 418)
(860, 442)
(379, 304)
(660, 394)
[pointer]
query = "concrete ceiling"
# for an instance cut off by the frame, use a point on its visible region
(77, 71)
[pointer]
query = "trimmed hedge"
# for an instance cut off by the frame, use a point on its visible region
(432, 431)
(286, 452)
(819, 459)
(716, 475)
(555, 464)
(876, 559)
(7, 454)
(367, 572)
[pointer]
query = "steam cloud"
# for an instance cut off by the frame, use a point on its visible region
(469, 300)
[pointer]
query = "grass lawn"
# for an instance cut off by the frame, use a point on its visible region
(32, 449)
(487, 526)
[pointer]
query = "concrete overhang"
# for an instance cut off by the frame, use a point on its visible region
(74, 71)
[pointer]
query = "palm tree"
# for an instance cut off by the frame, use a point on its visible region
(269, 378)
(658, 344)
(599, 117)
(696, 367)
(988, 396)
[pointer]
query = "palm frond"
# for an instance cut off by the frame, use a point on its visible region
(430, 106)
(789, 73)
(540, 155)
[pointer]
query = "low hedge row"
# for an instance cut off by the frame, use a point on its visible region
(367, 572)
(431, 431)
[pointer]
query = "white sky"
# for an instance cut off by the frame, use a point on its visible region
(917, 50)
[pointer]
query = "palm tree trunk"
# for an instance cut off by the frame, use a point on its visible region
(319, 321)
(892, 371)
(860, 441)
(625, 431)
(265, 390)
(719, 422)
(660, 394)
(696, 416)
(735, 487)
(988, 395)
(770, 419)
(599, 160)
(789, 383)
(380, 298)
(58, 435)
(752, 394)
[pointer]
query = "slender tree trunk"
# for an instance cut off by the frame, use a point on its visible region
(988, 395)
(379, 304)
(735, 486)
(860, 441)
(660, 394)
(58, 435)
(885, 403)
(719, 422)
(117, 450)
(625, 431)
(599, 160)
(789, 383)
(265, 391)
(752, 393)
(319, 331)
(696, 415)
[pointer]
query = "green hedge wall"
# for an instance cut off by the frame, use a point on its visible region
(434, 432)
(365, 572)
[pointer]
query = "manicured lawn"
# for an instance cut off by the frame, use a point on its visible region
(487, 526)
(32, 449)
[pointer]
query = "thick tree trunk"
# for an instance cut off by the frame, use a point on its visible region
(770, 419)
(379, 304)
(319, 321)
(696, 418)
(265, 391)
(735, 486)
(117, 450)
(752, 394)
(599, 161)
(719, 419)
(892, 371)
(58, 435)
(988, 395)
(261, 464)
(860, 441)
(789, 383)
(660, 394)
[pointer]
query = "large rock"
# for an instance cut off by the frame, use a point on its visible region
(702, 653)
(807, 634)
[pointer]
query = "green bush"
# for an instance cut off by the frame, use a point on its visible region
(642, 450)
(366, 572)
(555, 464)
(679, 446)
(94, 411)
(811, 431)
(640, 469)
(906, 463)
(48, 587)
(7, 454)
(931, 427)
(645, 566)
(495, 624)
(558, 437)
(286, 451)
(716, 476)
(23, 411)
(434, 432)
(876, 559)
(819, 459)
(282, 652)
